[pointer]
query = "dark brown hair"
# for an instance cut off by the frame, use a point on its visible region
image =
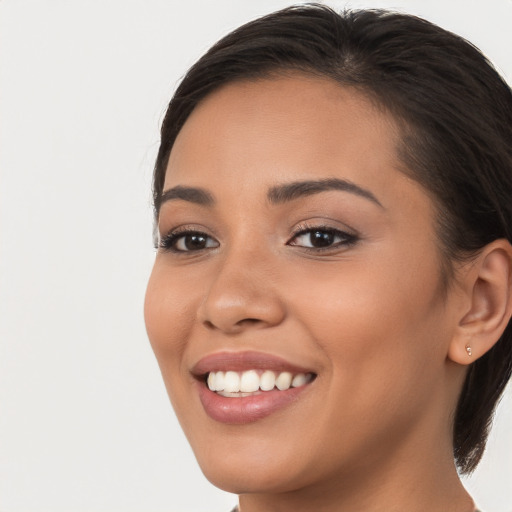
(456, 117)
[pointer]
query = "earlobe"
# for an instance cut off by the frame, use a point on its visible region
(488, 282)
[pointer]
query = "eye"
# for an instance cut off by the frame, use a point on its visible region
(321, 238)
(187, 241)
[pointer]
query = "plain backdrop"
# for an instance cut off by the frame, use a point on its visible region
(85, 424)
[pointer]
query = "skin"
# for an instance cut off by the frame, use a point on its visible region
(370, 318)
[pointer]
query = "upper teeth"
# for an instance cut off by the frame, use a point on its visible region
(252, 380)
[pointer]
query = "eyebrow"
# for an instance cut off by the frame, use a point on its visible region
(276, 195)
(291, 191)
(191, 194)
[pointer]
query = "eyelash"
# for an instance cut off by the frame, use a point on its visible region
(348, 239)
(169, 241)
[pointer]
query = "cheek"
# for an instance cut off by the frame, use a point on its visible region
(377, 331)
(377, 324)
(168, 317)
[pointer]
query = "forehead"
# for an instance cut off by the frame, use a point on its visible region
(288, 127)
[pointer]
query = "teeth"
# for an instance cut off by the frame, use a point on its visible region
(267, 380)
(218, 381)
(284, 381)
(231, 382)
(299, 380)
(250, 381)
(211, 381)
(243, 383)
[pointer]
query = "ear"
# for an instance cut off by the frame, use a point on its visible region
(487, 284)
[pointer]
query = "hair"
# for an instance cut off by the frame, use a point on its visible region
(455, 114)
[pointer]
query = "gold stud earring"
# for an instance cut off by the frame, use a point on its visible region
(468, 350)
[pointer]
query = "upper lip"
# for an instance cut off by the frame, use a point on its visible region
(242, 361)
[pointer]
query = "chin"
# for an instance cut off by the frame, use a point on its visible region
(248, 477)
(257, 462)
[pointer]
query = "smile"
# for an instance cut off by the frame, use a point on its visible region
(240, 388)
(251, 382)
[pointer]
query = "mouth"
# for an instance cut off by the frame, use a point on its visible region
(239, 388)
(233, 384)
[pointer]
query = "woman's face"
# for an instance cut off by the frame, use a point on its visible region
(292, 244)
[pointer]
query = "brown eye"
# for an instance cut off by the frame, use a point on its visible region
(192, 242)
(188, 242)
(322, 238)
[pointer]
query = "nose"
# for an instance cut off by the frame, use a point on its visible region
(242, 295)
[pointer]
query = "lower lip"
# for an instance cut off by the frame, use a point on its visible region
(240, 410)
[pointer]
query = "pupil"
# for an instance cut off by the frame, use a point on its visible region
(194, 242)
(321, 239)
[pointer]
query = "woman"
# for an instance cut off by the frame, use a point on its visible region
(331, 297)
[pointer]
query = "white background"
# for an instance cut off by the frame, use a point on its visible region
(85, 425)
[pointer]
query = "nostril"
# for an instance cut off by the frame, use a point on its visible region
(233, 328)
(209, 324)
(248, 321)
(230, 309)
